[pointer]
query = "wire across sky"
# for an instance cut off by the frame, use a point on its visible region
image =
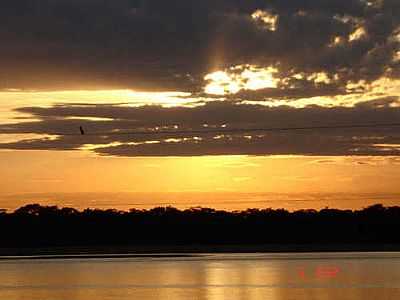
(230, 130)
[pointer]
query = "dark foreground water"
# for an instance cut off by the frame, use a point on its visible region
(208, 276)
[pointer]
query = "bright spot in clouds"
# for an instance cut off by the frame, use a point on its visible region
(337, 40)
(237, 78)
(358, 34)
(266, 17)
(397, 57)
(320, 77)
(221, 83)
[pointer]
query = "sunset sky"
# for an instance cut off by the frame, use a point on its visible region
(116, 67)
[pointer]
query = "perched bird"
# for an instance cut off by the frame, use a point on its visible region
(82, 131)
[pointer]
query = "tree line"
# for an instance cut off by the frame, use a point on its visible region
(34, 225)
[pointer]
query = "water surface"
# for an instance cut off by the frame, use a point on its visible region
(343, 276)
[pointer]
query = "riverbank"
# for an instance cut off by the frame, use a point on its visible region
(183, 250)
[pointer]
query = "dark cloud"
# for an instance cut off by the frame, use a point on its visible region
(58, 118)
(172, 45)
(160, 45)
(64, 120)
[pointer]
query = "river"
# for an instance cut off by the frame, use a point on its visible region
(342, 276)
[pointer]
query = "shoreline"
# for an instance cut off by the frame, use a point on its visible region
(178, 251)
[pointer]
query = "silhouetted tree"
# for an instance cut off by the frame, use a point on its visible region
(34, 225)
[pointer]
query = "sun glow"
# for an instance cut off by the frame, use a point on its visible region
(12, 99)
(358, 34)
(396, 57)
(237, 78)
(270, 20)
(336, 41)
(97, 96)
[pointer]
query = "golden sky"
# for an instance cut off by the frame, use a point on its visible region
(192, 75)
(83, 178)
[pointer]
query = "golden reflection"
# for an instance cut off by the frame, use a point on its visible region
(205, 277)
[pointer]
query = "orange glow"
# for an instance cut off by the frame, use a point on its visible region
(266, 17)
(246, 77)
(11, 100)
(358, 34)
(228, 182)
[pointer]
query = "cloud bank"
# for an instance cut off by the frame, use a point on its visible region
(172, 45)
(245, 64)
(59, 127)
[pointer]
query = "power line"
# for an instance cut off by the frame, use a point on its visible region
(232, 130)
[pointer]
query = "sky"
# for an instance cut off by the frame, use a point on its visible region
(160, 87)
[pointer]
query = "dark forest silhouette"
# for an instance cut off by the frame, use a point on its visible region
(49, 226)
